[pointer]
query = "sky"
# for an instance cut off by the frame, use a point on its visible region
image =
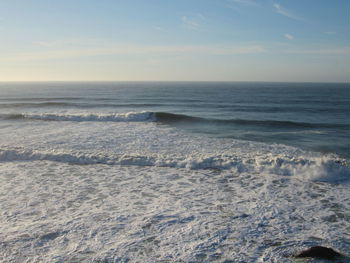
(175, 40)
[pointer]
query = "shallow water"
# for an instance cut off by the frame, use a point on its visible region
(56, 212)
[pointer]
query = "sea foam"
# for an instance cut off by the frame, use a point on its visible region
(328, 169)
(116, 117)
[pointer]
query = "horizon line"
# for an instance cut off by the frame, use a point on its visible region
(174, 81)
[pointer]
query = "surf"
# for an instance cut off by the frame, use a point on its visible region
(167, 117)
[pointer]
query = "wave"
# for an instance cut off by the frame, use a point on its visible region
(168, 118)
(76, 105)
(171, 117)
(34, 105)
(109, 103)
(117, 117)
(326, 168)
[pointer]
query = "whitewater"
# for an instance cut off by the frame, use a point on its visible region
(173, 172)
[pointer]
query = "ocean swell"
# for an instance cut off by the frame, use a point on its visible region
(168, 118)
(117, 117)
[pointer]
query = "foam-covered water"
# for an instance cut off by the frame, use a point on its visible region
(128, 172)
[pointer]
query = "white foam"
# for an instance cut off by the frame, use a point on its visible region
(116, 117)
(305, 168)
(56, 212)
(142, 192)
(149, 144)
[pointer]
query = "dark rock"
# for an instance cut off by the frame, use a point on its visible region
(319, 252)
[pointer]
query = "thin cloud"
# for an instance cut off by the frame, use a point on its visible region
(71, 42)
(245, 2)
(1, 26)
(131, 50)
(160, 29)
(323, 51)
(330, 33)
(289, 36)
(193, 21)
(281, 10)
(236, 5)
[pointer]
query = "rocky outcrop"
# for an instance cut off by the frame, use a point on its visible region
(319, 252)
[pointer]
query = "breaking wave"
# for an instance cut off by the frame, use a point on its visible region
(117, 117)
(326, 168)
(83, 105)
(165, 117)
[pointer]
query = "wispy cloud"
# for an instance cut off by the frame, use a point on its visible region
(237, 5)
(193, 21)
(131, 50)
(160, 29)
(245, 2)
(323, 51)
(1, 20)
(281, 10)
(289, 36)
(330, 33)
(71, 42)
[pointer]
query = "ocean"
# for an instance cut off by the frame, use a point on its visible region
(173, 171)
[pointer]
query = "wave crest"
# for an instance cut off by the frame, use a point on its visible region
(117, 117)
(168, 118)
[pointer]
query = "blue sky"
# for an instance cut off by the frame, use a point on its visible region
(228, 40)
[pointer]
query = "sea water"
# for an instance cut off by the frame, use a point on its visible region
(173, 171)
